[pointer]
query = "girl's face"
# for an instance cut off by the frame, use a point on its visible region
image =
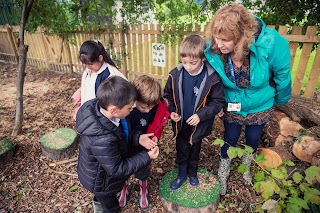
(224, 44)
(94, 66)
(191, 64)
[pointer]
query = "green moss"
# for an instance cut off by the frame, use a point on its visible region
(59, 139)
(5, 146)
(189, 196)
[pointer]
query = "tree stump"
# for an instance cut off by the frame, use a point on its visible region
(190, 199)
(59, 144)
(6, 151)
(281, 129)
(307, 149)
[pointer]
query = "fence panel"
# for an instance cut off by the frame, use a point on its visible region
(133, 49)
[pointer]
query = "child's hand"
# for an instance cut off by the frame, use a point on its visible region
(146, 142)
(153, 153)
(175, 117)
(193, 120)
(221, 113)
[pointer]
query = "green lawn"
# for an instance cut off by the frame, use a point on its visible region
(309, 66)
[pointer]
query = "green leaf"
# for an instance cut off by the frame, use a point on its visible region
(298, 201)
(313, 196)
(218, 141)
(283, 193)
(304, 187)
(248, 149)
(277, 174)
(313, 172)
(73, 188)
(232, 152)
(293, 208)
(266, 188)
(297, 177)
(294, 192)
(260, 158)
(288, 162)
(259, 176)
(243, 168)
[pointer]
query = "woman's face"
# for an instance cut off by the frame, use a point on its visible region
(224, 44)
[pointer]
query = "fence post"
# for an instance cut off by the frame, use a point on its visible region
(45, 45)
(69, 59)
(13, 43)
(123, 48)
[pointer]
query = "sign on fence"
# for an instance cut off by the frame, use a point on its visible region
(158, 55)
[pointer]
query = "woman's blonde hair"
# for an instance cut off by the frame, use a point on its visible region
(238, 24)
(148, 90)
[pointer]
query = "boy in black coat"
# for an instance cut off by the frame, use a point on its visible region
(195, 95)
(103, 164)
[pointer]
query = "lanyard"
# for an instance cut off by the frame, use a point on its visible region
(231, 70)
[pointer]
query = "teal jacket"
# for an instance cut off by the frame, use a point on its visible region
(270, 76)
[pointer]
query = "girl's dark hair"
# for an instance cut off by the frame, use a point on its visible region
(116, 91)
(91, 50)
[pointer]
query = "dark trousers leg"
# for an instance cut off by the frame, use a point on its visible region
(231, 137)
(110, 204)
(253, 134)
(187, 154)
(144, 172)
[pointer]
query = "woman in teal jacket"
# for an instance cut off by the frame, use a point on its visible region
(254, 64)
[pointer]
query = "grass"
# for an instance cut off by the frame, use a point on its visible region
(308, 69)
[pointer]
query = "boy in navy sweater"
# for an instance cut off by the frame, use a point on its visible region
(195, 95)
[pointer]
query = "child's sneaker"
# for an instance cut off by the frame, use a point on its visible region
(124, 195)
(143, 195)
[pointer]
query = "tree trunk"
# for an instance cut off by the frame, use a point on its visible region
(23, 49)
(302, 110)
(280, 129)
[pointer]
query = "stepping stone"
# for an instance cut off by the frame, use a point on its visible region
(6, 150)
(59, 144)
(190, 199)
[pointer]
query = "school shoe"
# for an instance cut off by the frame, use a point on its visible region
(182, 177)
(194, 181)
(124, 195)
(143, 195)
(246, 159)
(97, 207)
(223, 174)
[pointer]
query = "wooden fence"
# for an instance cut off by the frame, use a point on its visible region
(132, 48)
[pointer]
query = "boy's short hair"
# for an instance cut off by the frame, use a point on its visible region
(192, 45)
(148, 90)
(116, 91)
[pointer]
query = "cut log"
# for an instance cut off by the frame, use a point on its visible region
(275, 155)
(281, 129)
(302, 110)
(306, 149)
(59, 144)
(190, 199)
(6, 151)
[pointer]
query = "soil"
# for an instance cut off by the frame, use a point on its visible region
(30, 183)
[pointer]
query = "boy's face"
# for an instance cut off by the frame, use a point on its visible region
(144, 108)
(124, 111)
(191, 64)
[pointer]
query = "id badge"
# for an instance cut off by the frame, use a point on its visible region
(234, 107)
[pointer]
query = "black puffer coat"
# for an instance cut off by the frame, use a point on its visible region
(103, 163)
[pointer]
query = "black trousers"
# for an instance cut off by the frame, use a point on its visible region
(144, 172)
(188, 154)
(109, 203)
